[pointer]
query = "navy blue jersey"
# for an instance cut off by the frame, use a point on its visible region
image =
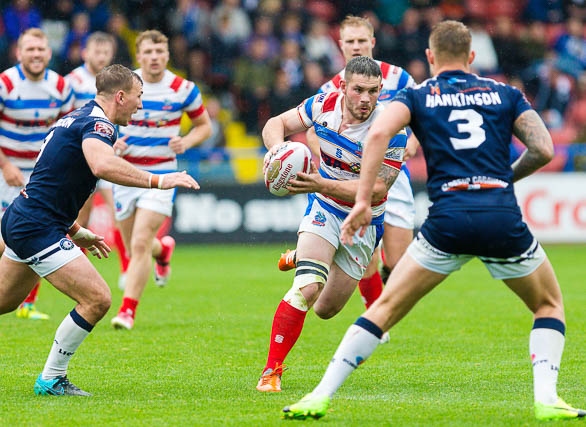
(61, 181)
(464, 124)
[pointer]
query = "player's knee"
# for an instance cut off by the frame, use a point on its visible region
(101, 302)
(325, 311)
(308, 272)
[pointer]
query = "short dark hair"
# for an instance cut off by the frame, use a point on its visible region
(364, 66)
(115, 77)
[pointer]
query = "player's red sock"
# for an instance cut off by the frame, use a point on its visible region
(128, 306)
(370, 288)
(119, 243)
(31, 298)
(287, 326)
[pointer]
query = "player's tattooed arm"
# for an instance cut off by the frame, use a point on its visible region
(531, 131)
(388, 175)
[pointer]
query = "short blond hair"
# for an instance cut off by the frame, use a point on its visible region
(153, 35)
(357, 21)
(33, 32)
(115, 77)
(450, 40)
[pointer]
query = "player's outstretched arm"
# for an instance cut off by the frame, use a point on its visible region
(531, 131)
(106, 165)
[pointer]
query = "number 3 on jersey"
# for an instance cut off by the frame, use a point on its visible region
(470, 122)
(47, 139)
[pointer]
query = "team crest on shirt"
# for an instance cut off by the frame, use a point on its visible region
(319, 219)
(435, 90)
(104, 129)
(66, 244)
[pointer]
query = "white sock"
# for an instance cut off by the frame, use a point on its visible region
(356, 346)
(546, 347)
(68, 337)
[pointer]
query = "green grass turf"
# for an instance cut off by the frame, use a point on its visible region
(459, 359)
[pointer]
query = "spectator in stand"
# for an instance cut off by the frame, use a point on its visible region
(507, 47)
(250, 89)
(551, 11)
(4, 63)
(152, 143)
(264, 29)
(418, 70)
(576, 112)
(321, 47)
(97, 10)
(97, 54)
(392, 11)
(18, 17)
(192, 19)
(313, 78)
(74, 42)
(411, 38)
(118, 28)
(212, 147)
(290, 61)
(24, 125)
(230, 28)
(486, 62)
(553, 92)
(571, 48)
(231, 22)
(291, 28)
(283, 96)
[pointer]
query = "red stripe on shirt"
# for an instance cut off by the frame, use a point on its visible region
(176, 83)
(384, 68)
(7, 82)
(393, 163)
(60, 83)
(155, 124)
(27, 123)
(148, 161)
(336, 80)
(330, 102)
(196, 113)
(20, 154)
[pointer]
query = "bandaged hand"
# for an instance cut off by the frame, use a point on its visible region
(84, 238)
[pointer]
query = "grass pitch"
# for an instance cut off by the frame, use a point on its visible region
(459, 359)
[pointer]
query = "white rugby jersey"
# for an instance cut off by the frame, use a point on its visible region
(83, 86)
(394, 79)
(27, 111)
(341, 153)
(151, 128)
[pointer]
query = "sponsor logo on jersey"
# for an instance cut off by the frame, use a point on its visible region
(104, 129)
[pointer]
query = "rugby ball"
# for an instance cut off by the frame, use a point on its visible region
(292, 157)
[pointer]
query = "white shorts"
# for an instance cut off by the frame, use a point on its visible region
(351, 259)
(400, 205)
(104, 185)
(128, 199)
(8, 193)
(50, 259)
(441, 262)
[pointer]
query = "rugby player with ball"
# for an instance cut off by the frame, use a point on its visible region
(328, 271)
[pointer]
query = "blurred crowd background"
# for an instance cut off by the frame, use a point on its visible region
(253, 59)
